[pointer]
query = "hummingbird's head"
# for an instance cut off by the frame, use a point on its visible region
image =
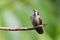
(36, 12)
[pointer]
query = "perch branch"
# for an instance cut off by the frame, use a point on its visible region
(21, 29)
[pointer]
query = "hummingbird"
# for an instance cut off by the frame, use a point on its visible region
(36, 20)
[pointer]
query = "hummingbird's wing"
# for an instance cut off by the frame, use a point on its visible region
(32, 20)
(40, 21)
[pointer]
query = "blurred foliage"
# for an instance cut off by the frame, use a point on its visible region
(16, 13)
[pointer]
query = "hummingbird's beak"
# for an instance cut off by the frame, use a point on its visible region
(34, 10)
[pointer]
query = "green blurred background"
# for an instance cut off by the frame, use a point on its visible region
(16, 13)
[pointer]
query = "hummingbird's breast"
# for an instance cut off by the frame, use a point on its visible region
(36, 20)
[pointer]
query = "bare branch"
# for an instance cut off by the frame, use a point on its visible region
(21, 29)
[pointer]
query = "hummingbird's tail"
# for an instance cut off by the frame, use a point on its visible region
(39, 30)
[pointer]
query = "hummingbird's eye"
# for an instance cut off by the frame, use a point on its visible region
(37, 13)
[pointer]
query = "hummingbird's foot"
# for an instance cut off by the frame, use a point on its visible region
(42, 25)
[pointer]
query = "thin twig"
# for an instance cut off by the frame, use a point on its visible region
(21, 29)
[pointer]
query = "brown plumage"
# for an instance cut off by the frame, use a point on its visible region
(36, 20)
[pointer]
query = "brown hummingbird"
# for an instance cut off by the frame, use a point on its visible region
(36, 20)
